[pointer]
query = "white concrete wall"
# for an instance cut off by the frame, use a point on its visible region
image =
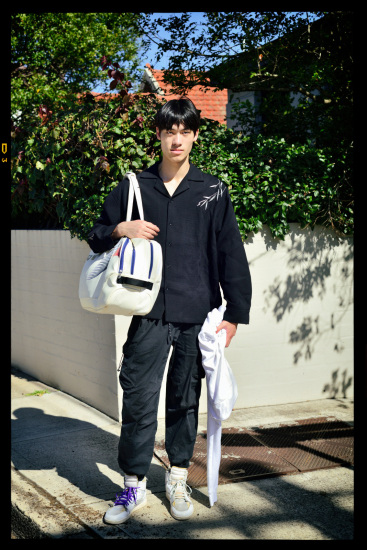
(299, 343)
(53, 338)
(297, 347)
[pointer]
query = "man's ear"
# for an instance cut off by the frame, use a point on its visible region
(158, 133)
(196, 135)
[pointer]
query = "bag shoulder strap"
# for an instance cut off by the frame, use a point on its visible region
(134, 190)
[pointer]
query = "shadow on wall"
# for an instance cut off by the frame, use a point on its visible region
(317, 265)
(338, 386)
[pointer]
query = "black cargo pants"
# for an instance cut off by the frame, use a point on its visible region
(145, 355)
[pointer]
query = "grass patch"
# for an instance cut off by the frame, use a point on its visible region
(38, 393)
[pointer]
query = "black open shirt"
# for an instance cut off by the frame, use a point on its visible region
(201, 244)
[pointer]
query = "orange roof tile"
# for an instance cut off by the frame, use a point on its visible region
(212, 104)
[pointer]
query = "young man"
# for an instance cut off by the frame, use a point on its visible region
(190, 214)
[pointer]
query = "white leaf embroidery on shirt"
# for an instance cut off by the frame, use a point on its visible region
(216, 195)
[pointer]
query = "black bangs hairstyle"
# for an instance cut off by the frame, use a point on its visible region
(178, 111)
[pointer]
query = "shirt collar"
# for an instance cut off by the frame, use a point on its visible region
(194, 174)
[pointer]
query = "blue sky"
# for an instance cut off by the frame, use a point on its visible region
(150, 57)
(163, 62)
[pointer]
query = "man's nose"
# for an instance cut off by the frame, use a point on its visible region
(177, 139)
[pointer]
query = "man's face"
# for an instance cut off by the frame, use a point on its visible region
(176, 143)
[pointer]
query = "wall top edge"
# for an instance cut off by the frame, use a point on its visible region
(265, 230)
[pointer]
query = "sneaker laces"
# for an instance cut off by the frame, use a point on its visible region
(180, 489)
(125, 497)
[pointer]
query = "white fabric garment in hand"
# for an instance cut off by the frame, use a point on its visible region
(222, 392)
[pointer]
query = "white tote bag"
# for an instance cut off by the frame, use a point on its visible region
(126, 279)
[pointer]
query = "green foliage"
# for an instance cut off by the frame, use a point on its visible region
(273, 182)
(54, 56)
(298, 64)
(295, 165)
(65, 164)
(289, 164)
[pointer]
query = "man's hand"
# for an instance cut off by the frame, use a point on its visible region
(230, 328)
(135, 229)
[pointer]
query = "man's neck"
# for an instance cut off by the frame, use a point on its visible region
(172, 174)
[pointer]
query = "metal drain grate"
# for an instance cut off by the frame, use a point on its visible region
(261, 451)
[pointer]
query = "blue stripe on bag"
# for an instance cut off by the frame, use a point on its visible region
(133, 258)
(151, 260)
(132, 261)
(122, 254)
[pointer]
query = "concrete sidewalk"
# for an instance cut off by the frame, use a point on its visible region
(65, 475)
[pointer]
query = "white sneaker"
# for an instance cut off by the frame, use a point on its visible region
(130, 499)
(177, 492)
